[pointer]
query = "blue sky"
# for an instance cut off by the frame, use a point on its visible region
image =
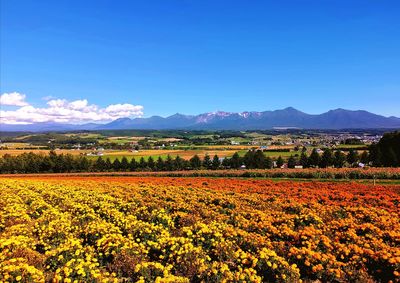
(199, 56)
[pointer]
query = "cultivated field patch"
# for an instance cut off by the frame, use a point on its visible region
(163, 229)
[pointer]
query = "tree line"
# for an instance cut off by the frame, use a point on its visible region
(328, 158)
(64, 163)
(253, 159)
(385, 153)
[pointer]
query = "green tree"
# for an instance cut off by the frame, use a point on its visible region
(291, 162)
(352, 157)
(364, 157)
(195, 162)
(235, 161)
(390, 157)
(279, 162)
(375, 155)
(226, 163)
(84, 164)
(142, 163)
(179, 163)
(133, 165)
(33, 162)
(326, 158)
(339, 159)
(150, 163)
(216, 163)
(207, 163)
(254, 159)
(314, 158)
(116, 165)
(259, 159)
(160, 164)
(304, 159)
(69, 164)
(268, 163)
(168, 164)
(124, 164)
(99, 165)
(378, 159)
(46, 165)
(389, 147)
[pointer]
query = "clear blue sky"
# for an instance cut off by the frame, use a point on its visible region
(198, 56)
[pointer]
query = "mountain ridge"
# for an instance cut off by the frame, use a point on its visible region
(288, 117)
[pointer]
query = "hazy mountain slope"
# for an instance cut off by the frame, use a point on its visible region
(288, 117)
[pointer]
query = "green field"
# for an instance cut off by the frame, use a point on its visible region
(271, 154)
(130, 157)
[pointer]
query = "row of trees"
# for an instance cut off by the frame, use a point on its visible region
(328, 158)
(387, 151)
(384, 153)
(40, 163)
(62, 163)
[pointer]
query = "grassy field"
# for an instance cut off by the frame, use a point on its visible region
(41, 151)
(220, 147)
(18, 145)
(186, 152)
(354, 146)
(286, 154)
(221, 151)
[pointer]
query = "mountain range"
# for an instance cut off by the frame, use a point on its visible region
(284, 118)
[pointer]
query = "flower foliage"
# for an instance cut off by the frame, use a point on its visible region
(162, 229)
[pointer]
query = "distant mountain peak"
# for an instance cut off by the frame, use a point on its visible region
(290, 108)
(122, 119)
(177, 114)
(180, 115)
(288, 117)
(340, 110)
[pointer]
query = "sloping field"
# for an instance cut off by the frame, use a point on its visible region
(112, 154)
(15, 152)
(163, 229)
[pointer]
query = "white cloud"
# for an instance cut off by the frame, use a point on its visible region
(78, 104)
(13, 99)
(115, 108)
(56, 102)
(64, 111)
(48, 97)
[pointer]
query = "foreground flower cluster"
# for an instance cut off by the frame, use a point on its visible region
(160, 229)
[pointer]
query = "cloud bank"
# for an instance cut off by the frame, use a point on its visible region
(63, 111)
(13, 99)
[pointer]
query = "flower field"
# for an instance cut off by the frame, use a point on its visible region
(378, 173)
(165, 229)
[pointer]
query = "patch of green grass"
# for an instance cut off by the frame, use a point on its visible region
(354, 146)
(118, 141)
(283, 154)
(129, 157)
